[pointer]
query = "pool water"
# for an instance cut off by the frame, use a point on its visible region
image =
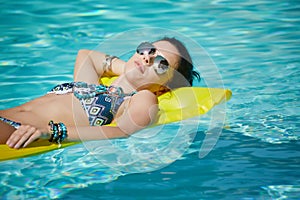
(255, 46)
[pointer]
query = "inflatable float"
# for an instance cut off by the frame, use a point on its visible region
(176, 105)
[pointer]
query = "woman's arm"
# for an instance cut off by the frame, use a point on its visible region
(26, 134)
(89, 66)
(141, 111)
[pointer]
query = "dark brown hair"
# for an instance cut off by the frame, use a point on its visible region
(185, 67)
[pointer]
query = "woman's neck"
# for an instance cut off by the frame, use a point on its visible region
(122, 82)
(127, 87)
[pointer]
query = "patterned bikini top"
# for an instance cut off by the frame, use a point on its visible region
(100, 102)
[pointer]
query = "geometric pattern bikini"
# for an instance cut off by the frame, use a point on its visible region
(16, 125)
(100, 107)
(100, 102)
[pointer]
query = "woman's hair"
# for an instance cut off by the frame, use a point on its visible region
(185, 66)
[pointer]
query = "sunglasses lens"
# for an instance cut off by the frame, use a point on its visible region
(146, 47)
(161, 65)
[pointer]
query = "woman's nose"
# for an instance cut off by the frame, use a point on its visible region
(146, 58)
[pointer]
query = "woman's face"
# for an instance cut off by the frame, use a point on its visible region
(142, 74)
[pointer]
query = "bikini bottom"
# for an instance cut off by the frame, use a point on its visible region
(16, 125)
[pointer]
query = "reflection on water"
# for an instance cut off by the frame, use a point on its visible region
(255, 45)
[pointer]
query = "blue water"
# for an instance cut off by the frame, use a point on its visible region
(255, 46)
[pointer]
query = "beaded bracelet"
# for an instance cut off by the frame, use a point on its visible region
(58, 132)
(107, 63)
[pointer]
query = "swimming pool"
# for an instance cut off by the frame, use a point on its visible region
(254, 44)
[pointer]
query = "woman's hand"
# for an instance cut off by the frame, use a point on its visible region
(24, 135)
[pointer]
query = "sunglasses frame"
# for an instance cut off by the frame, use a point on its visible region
(159, 67)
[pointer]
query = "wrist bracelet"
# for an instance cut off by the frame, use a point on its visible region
(58, 132)
(106, 65)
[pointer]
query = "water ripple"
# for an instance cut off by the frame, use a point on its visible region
(255, 45)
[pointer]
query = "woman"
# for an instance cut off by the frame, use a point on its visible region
(78, 110)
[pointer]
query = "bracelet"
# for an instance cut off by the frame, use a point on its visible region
(58, 132)
(106, 65)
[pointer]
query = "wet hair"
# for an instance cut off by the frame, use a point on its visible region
(185, 66)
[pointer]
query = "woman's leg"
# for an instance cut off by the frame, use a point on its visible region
(5, 131)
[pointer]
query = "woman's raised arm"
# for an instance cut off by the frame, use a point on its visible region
(89, 66)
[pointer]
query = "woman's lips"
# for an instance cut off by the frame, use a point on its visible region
(140, 66)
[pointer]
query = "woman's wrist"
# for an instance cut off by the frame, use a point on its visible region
(58, 132)
(107, 63)
(46, 132)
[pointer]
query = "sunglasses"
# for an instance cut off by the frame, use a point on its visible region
(160, 64)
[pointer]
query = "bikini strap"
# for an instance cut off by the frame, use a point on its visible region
(83, 90)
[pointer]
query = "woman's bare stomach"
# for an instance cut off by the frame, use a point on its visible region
(59, 108)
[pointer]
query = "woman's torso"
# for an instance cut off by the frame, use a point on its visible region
(60, 108)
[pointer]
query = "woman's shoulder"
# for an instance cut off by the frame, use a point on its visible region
(145, 92)
(145, 96)
(143, 108)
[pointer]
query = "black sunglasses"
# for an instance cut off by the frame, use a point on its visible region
(160, 64)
